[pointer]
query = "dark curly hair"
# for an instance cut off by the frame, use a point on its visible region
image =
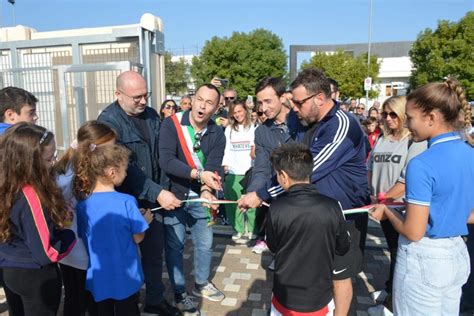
(21, 164)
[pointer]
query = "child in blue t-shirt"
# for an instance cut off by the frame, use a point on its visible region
(111, 226)
(432, 262)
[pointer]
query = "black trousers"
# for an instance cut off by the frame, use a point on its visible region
(391, 236)
(125, 307)
(33, 292)
(261, 220)
(77, 299)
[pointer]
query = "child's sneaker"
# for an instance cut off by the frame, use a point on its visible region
(209, 291)
(260, 247)
(186, 305)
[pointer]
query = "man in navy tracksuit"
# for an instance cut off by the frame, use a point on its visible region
(336, 141)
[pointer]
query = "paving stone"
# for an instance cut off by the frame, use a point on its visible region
(244, 260)
(228, 281)
(252, 266)
(234, 251)
(220, 269)
(256, 297)
(259, 312)
(229, 301)
(232, 288)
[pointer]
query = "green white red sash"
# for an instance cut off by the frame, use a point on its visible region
(195, 159)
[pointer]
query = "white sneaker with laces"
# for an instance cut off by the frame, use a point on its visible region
(210, 292)
(186, 305)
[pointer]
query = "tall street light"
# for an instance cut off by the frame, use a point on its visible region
(368, 56)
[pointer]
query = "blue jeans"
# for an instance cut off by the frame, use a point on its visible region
(193, 215)
(429, 275)
(152, 262)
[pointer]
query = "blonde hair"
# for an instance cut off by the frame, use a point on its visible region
(449, 99)
(91, 164)
(398, 105)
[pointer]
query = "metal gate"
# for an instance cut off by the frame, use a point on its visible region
(74, 76)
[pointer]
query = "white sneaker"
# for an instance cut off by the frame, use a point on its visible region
(210, 292)
(251, 236)
(186, 305)
(260, 247)
(379, 310)
(379, 296)
(236, 236)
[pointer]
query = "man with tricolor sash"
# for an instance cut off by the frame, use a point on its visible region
(191, 151)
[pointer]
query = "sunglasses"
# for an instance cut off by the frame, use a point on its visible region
(361, 108)
(169, 107)
(197, 142)
(229, 98)
(300, 103)
(260, 113)
(392, 115)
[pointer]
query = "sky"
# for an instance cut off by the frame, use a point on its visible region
(188, 24)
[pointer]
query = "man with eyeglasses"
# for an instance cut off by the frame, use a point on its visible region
(138, 128)
(185, 103)
(191, 152)
(337, 143)
(359, 113)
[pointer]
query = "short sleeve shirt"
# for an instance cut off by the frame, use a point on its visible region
(441, 179)
(107, 222)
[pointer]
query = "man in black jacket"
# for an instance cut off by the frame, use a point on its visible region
(191, 151)
(137, 126)
(304, 230)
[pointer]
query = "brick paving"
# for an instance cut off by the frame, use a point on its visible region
(243, 277)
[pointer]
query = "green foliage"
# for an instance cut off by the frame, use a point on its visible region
(244, 59)
(448, 50)
(176, 75)
(348, 71)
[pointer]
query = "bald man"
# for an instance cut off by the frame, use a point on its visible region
(138, 126)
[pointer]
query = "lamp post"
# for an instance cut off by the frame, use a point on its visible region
(368, 51)
(13, 5)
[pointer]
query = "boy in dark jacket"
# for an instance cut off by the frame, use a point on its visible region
(304, 230)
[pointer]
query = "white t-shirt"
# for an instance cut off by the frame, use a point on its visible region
(78, 257)
(237, 149)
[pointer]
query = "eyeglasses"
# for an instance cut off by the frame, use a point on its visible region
(392, 115)
(138, 98)
(260, 113)
(197, 142)
(229, 98)
(360, 108)
(300, 103)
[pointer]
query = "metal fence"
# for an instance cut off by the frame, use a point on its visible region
(74, 77)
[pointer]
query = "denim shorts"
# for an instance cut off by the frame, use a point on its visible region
(429, 275)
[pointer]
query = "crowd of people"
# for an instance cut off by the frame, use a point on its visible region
(298, 174)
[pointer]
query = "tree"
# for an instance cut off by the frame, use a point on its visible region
(348, 71)
(176, 75)
(449, 50)
(243, 58)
